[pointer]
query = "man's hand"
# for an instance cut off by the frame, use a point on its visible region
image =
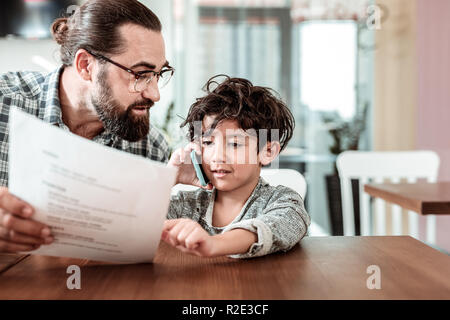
(181, 160)
(188, 236)
(17, 231)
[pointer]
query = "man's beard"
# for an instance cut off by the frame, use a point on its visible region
(122, 123)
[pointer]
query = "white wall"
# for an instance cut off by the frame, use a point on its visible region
(163, 9)
(20, 54)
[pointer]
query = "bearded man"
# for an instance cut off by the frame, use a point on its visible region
(113, 65)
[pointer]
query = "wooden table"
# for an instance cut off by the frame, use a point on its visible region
(423, 198)
(318, 268)
(9, 260)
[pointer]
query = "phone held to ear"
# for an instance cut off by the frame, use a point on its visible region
(196, 159)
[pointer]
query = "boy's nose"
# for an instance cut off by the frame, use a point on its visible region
(219, 155)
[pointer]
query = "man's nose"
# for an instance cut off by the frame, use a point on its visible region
(152, 91)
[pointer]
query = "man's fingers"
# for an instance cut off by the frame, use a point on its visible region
(21, 238)
(10, 247)
(25, 226)
(4, 233)
(12, 204)
(13, 236)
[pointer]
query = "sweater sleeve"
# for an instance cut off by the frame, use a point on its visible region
(188, 204)
(279, 226)
(175, 206)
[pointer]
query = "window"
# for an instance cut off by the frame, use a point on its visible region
(307, 51)
(328, 66)
(245, 43)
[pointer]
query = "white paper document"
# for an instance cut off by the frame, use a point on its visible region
(100, 203)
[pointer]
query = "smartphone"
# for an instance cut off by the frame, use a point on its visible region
(196, 159)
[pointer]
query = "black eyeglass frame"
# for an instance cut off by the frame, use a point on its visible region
(137, 75)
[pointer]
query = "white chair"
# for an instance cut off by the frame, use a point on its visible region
(286, 177)
(376, 167)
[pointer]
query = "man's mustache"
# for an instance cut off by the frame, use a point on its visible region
(144, 103)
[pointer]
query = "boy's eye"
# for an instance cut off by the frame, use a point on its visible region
(235, 144)
(206, 142)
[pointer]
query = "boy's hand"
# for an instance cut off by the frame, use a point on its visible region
(181, 160)
(189, 237)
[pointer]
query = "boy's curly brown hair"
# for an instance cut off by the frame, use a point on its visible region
(253, 107)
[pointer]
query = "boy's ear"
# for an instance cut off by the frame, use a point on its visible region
(269, 152)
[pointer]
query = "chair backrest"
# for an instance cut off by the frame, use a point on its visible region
(286, 177)
(371, 166)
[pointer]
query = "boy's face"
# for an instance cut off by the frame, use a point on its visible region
(230, 155)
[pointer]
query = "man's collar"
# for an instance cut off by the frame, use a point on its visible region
(50, 107)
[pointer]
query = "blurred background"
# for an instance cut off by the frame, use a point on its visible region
(357, 74)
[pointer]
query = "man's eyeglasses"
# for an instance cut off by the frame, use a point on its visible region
(139, 80)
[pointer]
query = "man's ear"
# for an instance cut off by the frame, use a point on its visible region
(84, 64)
(269, 152)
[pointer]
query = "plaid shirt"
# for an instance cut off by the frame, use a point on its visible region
(38, 95)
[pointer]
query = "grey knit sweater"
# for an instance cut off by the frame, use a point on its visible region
(276, 214)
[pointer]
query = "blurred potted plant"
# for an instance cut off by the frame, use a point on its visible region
(170, 128)
(165, 128)
(346, 136)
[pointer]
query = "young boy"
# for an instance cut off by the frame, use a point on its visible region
(242, 216)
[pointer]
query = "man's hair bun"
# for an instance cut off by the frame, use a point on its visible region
(95, 26)
(59, 30)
